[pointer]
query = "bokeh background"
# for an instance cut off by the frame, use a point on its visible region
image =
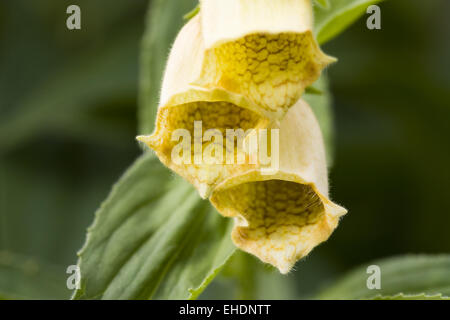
(68, 118)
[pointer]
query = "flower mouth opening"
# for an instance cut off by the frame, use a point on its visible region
(281, 221)
(195, 119)
(274, 203)
(271, 69)
(218, 116)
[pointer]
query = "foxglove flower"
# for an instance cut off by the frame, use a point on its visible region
(183, 105)
(242, 65)
(200, 83)
(281, 217)
(263, 51)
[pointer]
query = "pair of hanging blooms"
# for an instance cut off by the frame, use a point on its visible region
(236, 69)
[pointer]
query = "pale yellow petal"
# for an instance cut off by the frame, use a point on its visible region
(264, 50)
(281, 217)
(182, 104)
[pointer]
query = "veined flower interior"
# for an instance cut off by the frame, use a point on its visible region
(275, 218)
(219, 116)
(272, 70)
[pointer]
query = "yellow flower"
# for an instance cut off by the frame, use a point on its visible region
(281, 217)
(202, 80)
(263, 50)
(182, 103)
(241, 66)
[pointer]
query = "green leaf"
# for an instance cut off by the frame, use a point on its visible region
(164, 20)
(340, 14)
(323, 3)
(402, 296)
(153, 238)
(188, 16)
(28, 278)
(321, 104)
(411, 275)
(313, 90)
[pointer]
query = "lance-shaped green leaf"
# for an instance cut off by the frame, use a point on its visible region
(411, 275)
(422, 296)
(337, 16)
(153, 238)
(323, 3)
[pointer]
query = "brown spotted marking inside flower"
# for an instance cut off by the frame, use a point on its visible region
(275, 218)
(271, 69)
(220, 116)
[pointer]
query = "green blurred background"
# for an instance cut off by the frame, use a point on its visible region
(68, 105)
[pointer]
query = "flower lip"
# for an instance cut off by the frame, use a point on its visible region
(267, 54)
(280, 221)
(284, 215)
(192, 122)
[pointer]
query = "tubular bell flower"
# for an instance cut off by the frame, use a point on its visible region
(263, 50)
(235, 70)
(183, 106)
(281, 217)
(209, 82)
